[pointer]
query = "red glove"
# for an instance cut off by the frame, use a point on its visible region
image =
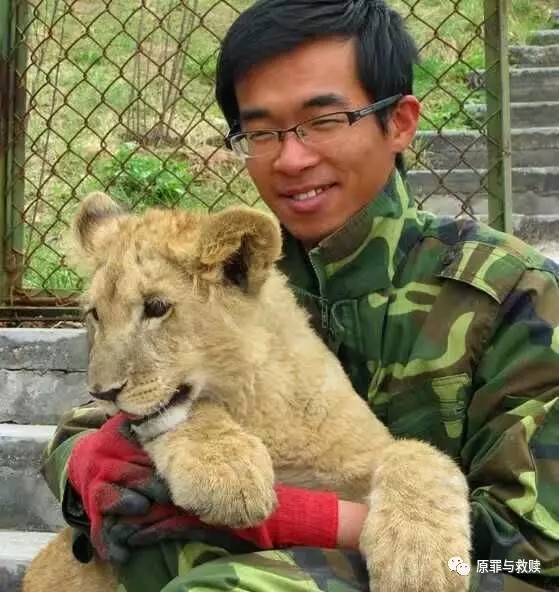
(113, 477)
(117, 484)
(302, 518)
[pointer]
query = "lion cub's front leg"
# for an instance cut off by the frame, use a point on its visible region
(418, 519)
(216, 470)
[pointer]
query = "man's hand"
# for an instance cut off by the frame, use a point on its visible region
(117, 484)
(114, 477)
(302, 518)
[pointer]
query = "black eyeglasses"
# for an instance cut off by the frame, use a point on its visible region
(318, 130)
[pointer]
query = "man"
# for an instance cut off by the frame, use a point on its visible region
(449, 329)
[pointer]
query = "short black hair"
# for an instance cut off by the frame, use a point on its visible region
(386, 53)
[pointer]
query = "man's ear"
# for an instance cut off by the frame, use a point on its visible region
(95, 222)
(239, 246)
(403, 122)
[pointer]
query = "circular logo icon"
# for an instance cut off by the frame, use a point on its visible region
(463, 569)
(460, 567)
(453, 563)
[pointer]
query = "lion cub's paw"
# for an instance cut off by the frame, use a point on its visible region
(236, 495)
(242, 502)
(226, 485)
(415, 563)
(418, 519)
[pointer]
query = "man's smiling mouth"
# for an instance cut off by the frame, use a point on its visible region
(304, 194)
(310, 194)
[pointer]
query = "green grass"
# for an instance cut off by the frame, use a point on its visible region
(105, 134)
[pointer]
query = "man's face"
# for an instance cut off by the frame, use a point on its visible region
(315, 79)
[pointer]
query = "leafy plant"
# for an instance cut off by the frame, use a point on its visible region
(143, 179)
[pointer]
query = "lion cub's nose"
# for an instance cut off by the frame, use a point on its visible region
(108, 395)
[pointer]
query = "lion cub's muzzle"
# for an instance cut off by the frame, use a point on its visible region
(181, 395)
(109, 395)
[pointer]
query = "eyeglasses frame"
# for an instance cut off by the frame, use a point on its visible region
(352, 116)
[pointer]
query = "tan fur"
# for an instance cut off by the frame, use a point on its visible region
(268, 400)
(55, 570)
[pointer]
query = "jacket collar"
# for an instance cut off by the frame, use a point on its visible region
(363, 255)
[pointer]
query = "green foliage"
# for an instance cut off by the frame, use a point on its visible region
(142, 179)
(444, 93)
(527, 16)
(46, 270)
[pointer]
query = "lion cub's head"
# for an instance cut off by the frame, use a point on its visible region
(170, 302)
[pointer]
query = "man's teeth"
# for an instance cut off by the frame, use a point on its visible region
(308, 195)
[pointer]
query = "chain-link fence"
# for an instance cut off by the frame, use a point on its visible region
(118, 95)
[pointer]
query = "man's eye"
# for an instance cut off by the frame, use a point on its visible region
(155, 308)
(260, 137)
(327, 123)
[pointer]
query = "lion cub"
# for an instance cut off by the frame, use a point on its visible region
(199, 330)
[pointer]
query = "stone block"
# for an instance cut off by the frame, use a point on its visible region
(43, 349)
(26, 503)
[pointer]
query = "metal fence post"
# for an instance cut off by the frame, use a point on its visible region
(497, 82)
(4, 122)
(13, 59)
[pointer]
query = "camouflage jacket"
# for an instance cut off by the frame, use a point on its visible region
(450, 330)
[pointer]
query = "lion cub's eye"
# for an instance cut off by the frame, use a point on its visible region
(93, 313)
(155, 307)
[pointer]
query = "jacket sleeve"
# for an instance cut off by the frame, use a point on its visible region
(73, 425)
(511, 453)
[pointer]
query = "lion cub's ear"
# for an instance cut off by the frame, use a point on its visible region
(239, 246)
(96, 220)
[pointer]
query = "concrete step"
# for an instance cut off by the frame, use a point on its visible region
(527, 84)
(544, 37)
(542, 232)
(537, 56)
(43, 349)
(42, 374)
(536, 190)
(534, 84)
(461, 148)
(17, 549)
(523, 115)
(39, 397)
(26, 503)
(549, 248)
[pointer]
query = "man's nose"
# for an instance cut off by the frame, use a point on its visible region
(109, 394)
(294, 155)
